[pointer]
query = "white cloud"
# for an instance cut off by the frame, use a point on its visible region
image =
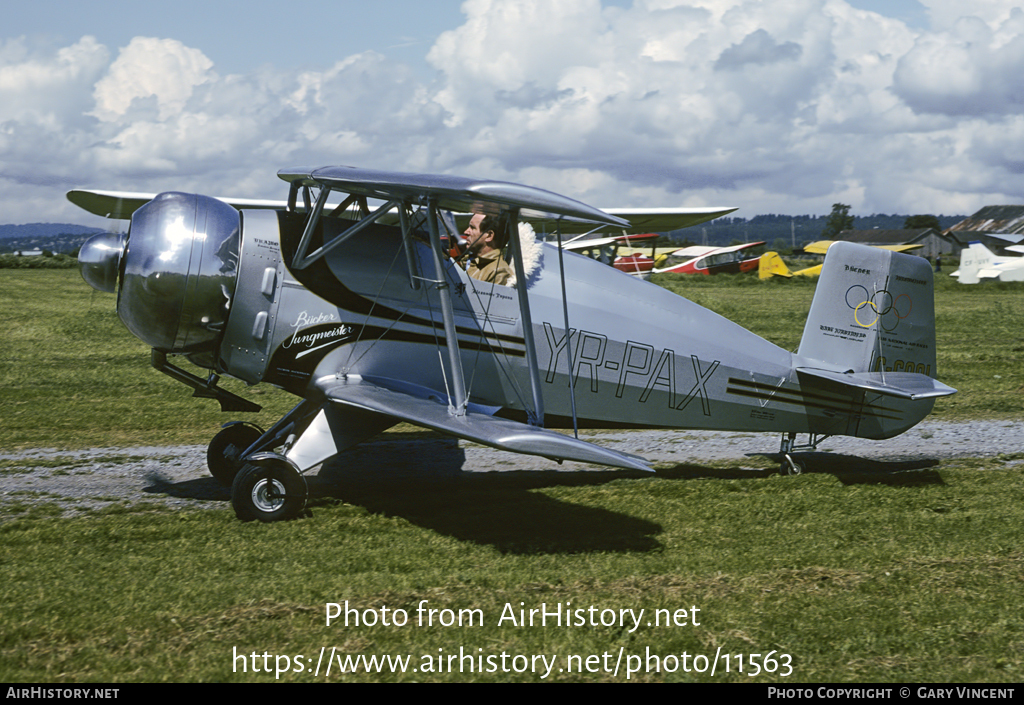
(774, 107)
(164, 69)
(968, 69)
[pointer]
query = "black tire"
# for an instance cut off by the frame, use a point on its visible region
(224, 454)
(791, 466)
(271, 490)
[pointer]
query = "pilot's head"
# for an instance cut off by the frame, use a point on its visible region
(485, 233)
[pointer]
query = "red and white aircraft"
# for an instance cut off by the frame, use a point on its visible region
(623, 251)
(619, 252)
(712, 260)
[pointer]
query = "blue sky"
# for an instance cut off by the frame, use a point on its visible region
(242, 35)
(785, 106)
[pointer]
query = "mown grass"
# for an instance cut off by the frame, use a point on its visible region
(72, 376)
(900, 576)
(861, 571)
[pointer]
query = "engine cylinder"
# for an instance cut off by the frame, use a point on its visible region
(178, 273)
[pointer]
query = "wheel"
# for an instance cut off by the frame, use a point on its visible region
(270, 490)
(791, 466)
(223, 455)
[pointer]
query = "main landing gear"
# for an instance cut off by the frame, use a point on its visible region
(268, 488)
(265, 486)
(791, 465)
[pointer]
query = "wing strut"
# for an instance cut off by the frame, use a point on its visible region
(568, 335)
(537, 417)
(457, 404)
(301, 260)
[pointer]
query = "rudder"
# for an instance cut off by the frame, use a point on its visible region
(771, 265)
(873, 311)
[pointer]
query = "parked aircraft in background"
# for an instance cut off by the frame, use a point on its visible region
(820, 247)
(977, 262)
(626, 252)
(711, 260)
(771, 264)
(371, 324)
(621, 252)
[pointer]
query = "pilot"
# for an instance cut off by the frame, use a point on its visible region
(485, 238)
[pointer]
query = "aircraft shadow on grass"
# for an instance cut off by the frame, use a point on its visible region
(424, 482)
(853, 470)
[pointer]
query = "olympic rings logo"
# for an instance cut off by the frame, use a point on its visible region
(881, 307)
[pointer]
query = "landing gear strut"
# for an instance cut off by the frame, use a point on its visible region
(791, 465)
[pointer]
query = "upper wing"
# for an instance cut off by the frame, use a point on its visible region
(818, 247)
(454, 193)
(589, 242)
(901, 248)
(741, 246)
(475, 425)
(821, 247)
(693, 251)
(627, 240)
(545, 210)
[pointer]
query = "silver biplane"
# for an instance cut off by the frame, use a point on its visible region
(360, 313)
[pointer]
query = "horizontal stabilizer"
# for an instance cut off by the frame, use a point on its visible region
(906, 385)
(475, 426)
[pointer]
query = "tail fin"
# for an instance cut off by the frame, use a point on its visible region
(871, 329)
(771, 265)
(973, 259)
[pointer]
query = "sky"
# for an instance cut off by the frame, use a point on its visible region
(771, 106)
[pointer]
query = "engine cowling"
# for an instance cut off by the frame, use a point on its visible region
(175, 273)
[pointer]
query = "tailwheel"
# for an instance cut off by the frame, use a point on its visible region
(268, 489)
(790, 466)
(224, 454)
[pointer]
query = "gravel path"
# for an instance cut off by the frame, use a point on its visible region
(177, 475)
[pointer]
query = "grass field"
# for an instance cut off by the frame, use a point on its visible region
(896, 576)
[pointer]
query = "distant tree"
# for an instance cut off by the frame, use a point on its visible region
(781, 246)
(839, 220)
(916, 222)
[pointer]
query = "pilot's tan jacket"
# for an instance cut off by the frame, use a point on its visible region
(490, 268)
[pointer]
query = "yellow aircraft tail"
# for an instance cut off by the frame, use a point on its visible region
(771, 265)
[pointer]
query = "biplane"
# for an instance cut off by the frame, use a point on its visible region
(356, 309)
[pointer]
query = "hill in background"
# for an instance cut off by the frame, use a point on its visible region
(793, 230)
(55, 237)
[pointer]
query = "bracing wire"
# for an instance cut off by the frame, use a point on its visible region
(568, 332)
